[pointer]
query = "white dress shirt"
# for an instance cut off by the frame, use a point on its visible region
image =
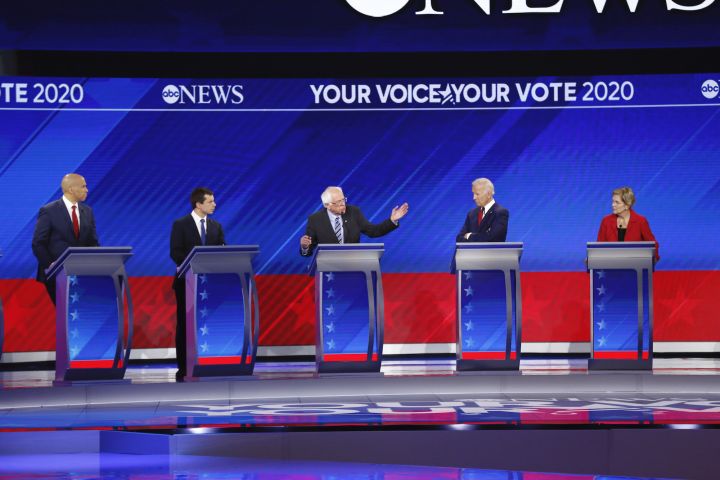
(69, 205)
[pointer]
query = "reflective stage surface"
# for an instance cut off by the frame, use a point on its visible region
(288, 422)
(83, 466)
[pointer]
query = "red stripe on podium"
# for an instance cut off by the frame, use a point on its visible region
(231, 360)
(93, 364)
(487, 356)
(613, 355)
(348, 357)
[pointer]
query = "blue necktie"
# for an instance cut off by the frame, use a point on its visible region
(338, 230)
(202, 231)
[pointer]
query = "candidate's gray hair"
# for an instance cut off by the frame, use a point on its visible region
(326, 196)
(484, 182)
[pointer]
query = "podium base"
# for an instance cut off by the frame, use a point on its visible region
(73, 383)
(473, 365)
(231, 370)
(611, 364)
(348, 367)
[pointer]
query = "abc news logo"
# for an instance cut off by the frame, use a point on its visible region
(710, 89)
(203, 94)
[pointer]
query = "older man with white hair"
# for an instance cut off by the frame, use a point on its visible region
(488, 222)
(337, 222)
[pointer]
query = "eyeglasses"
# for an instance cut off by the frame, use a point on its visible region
(342, 201)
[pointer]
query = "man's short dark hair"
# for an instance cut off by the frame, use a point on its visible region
(198, 195)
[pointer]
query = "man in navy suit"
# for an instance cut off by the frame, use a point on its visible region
(61, 224)
(196, 228)
(338, 222)
(489, 221)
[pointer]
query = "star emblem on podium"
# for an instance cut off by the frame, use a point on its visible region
(468, 275)
(74, 315)
(330, 310)
(330, 327)
(468, 308)
(74, 351)
(330, 276)
(204, 347)
(469, 342)
(601, 290)
(331, 345)
(602, 341)
(469, 291)
(74, 333)
(204, 330)
(203, 278)
(73, 279)
(469, 325)
(600, 274)
(75, 297)
(204, 312)
(330, 293)
(203, 295)
(601, 307)
(601, 324)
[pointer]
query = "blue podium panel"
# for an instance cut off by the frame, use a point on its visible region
(93, 341)
(222, 310)
(621, 304)
(345, 321)
(93, 320)
(349, 307)
(488, 305)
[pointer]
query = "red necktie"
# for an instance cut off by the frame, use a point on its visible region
(76, 224)
(480, 215)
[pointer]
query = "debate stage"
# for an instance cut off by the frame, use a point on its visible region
(551, 416)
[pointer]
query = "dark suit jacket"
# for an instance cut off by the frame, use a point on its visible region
(493, 227)
(638, 230)
(54, 233)
(185, 236)
(354, 223)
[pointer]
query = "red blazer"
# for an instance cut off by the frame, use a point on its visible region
(638, 230)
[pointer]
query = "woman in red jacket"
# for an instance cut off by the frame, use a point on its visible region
(625, 225)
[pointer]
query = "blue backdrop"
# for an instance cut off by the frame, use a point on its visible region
(554, 165)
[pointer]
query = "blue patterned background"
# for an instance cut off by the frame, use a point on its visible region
(554, 169)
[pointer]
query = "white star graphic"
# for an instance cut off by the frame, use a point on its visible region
(74, 333)
(330, 293)
(330, 276)
(601, 290)
(204, 312)
(75, 297)
(74, 315)
(203, 278)
(331, 345)
(601, 324)
(469, 291)
(330, 310)
(600, 274)
(601, 307)
(203, 295)
(204, 330)
(469, 325)
(330, 327)
(74, 351)
(73, 279)
(602, 341)
(204, 347)
(468, 308)
(468, 275)
(469, 343)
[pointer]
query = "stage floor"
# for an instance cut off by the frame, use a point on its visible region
(408, 393)
(551, 416)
